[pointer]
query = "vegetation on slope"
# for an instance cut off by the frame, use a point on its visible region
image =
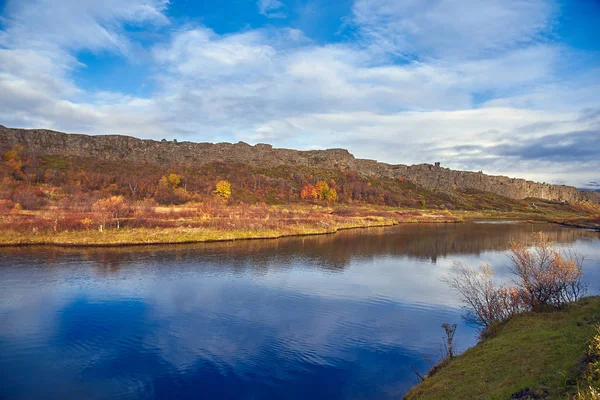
(35, 181)
(70, 200)
(532, 355)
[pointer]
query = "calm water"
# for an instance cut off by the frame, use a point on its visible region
(341, 316)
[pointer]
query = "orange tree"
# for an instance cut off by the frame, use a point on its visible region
(113, 206)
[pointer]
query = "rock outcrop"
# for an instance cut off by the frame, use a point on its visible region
(116, 147)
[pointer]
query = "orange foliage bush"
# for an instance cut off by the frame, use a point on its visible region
(113, 206)
(309, 192)
(320, 191)
(547, 276)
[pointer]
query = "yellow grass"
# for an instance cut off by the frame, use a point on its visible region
(231, 223)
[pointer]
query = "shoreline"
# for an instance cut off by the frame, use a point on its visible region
(195, 241)
(552, 368)
(282, 225)
(259, 235)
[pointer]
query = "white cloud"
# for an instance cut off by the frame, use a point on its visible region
(270, 8)
(77, 24)
(451, 28)
(483, 79)
(38, 56)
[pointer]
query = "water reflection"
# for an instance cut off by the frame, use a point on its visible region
(332, 252)
(337, 316)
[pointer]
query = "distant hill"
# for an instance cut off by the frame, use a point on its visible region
(162, 155)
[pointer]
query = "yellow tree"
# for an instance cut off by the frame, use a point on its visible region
(173, 180)
(333, 196)
(223, 190)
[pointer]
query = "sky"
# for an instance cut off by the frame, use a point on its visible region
(508, 87)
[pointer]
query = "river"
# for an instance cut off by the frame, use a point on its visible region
(343, 316)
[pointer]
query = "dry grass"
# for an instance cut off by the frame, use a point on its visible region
(204, 222)
(187, 224)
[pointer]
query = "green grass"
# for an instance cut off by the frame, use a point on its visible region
(540, 351)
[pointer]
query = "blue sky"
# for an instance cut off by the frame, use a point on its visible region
(505, 86)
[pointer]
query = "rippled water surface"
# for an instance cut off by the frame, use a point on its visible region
(343, 316)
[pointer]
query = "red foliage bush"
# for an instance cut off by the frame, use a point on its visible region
(77, 222)
(30, 223)
(6, 206)
(29, 197)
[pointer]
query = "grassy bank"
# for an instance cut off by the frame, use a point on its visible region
(163, 225)
(199, 223)
(139, 236)
(533, 355)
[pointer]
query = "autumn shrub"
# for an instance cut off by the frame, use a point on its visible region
(74, 222)
(547, 276)
(169, 192)
(309, 192)
(30, 198)
(114, 207)
(207, 207)
(146, 206)
(6, 206)
(79, 202)
(544, 278)
(483, 301)
(23, 223)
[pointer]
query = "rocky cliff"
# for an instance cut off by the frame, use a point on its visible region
(115, 147)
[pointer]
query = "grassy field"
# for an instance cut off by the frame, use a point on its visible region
(533, 355)
(193, 225)
(199, 223)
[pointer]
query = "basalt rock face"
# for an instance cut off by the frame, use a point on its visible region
(116, 147)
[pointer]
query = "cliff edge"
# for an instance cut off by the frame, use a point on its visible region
(117, 147)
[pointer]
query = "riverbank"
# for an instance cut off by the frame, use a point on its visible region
(178, 225)
(198, 223)
(533, 355)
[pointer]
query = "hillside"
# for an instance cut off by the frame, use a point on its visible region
(533, 355)
(66, 189)
(45, 143)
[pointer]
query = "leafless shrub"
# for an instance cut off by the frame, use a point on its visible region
(547, 276)
(484, 302)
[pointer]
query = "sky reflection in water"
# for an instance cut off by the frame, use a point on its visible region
(337, 316)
